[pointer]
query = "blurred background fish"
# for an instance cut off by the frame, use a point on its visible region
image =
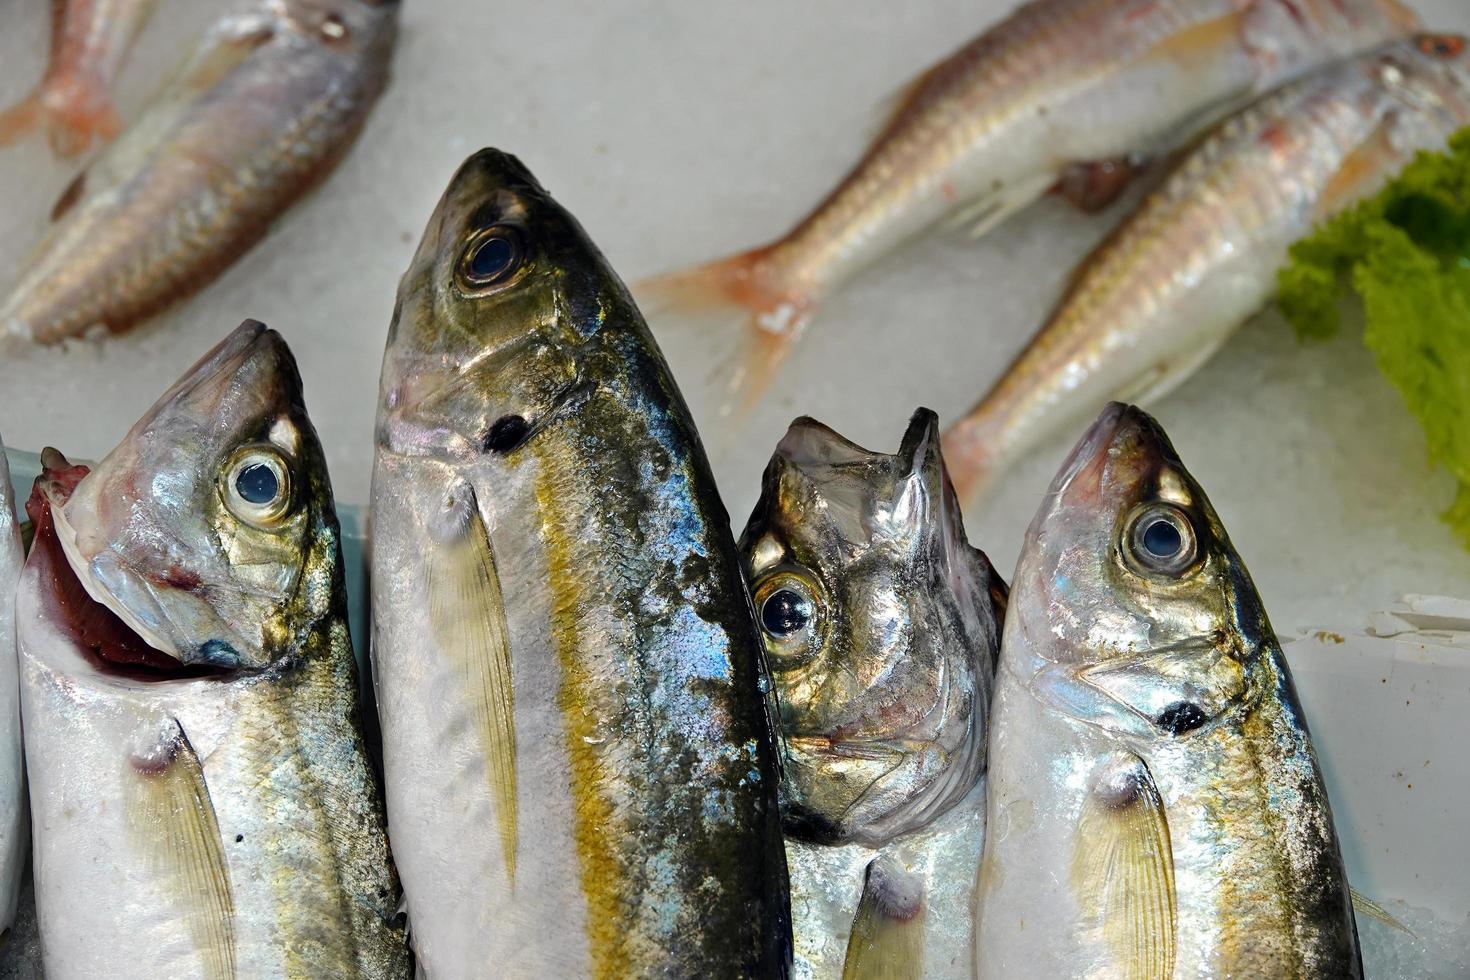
(73, 104)
(263, 110)
(1062, 93)
(1201, 254)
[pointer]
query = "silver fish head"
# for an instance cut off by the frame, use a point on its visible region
(1431, 74)
(880, 625)
(1289, 36)
(494, 310)
(346, 26)
(1131, 605)
(209, 530)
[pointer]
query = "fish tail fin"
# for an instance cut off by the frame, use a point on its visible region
(746, 293)
(79, 112)
(20, 120)
(80, 123)
(75, 112)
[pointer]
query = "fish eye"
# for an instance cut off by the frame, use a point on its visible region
(789, 609)
(333, 28)
(1160, 539)
(786, 611)
(257, 485)
(1442, 45)
(492, 258)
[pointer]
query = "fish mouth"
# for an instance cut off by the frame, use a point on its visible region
(1123, 444)
(108, 634)
(852, 748)
(1090, 448)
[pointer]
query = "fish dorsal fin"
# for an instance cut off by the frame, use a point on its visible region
(172, 817)
(887, 939)
(1123, 870)
(467, 617)
(894, 106)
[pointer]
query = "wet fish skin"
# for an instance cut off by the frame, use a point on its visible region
(264, 109)
(881, 627)
(215, 816)
(14, 821)
(90, 42)
(1160, 296)
(1156, 808)
(527, 402)
(1057, 85)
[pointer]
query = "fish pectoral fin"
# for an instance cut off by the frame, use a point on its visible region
(984, 213)
(467, 617)
(1201, 42)
(1366, 906)
(887, 938)
(172, 819)
(1123, 869)
(891, 110)
(70, 196)
(227, 50)
(1362, 171)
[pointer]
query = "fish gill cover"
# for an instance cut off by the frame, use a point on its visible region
(1406, 254)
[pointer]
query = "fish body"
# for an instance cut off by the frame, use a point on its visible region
(881, 627)
(1156, 808)
(203, 803)
(1201, 253)
(90, 43)
(14, 822)
(580, 774)
(265, 107)
(1057, 88)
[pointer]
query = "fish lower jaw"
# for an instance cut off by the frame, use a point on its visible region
(66, 535)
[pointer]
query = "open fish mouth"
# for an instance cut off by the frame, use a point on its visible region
(109, 634)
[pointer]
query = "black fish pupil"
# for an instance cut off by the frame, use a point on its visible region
(785, 612)
(508, 432)
(493, 258)
(257, 484)
(1181, 717)
(1162, 539)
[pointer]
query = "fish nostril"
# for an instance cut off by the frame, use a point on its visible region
(508, 432)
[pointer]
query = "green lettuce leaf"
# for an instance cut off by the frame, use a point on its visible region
(1405, 253)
